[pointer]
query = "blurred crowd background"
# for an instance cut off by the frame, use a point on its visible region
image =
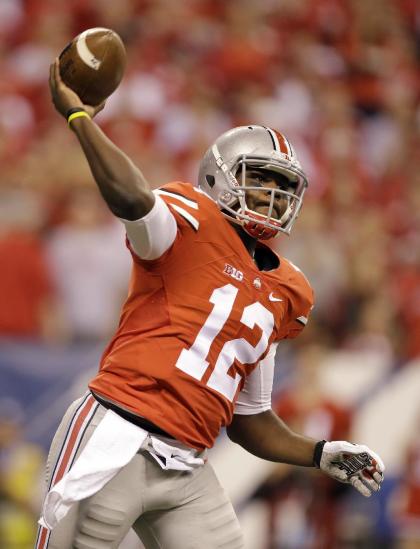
(341, 79)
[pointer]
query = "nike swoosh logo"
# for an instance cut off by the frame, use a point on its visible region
(272, 298)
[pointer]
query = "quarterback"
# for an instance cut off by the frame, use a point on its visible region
(208, 303)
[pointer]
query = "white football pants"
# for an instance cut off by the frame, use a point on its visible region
(167, 509)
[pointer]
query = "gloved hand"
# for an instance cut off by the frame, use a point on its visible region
(353, 464)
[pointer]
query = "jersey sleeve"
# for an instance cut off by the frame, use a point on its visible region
(301, 303)
(255, 396)
(182, 200)
(174, 212)
(152, 235)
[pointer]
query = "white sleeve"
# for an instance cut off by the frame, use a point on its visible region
(152, 235)
(255, 396)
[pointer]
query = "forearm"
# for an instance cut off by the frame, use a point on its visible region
(120, 182)
(266, 436)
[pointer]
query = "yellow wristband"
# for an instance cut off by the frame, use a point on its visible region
(79, 114)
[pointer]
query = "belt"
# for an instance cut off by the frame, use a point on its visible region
(133, 418)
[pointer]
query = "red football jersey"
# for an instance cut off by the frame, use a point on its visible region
(196, 322)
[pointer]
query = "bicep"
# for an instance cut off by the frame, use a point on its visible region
(152, 235)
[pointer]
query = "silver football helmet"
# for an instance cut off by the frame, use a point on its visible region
(222, 177)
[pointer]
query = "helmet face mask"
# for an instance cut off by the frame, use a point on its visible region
(223, 177)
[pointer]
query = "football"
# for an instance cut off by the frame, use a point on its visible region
(93, 64)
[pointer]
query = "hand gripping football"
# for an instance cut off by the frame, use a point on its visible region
(93, 64)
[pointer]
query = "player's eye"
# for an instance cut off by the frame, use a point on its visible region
(288, 186)
(255, 176)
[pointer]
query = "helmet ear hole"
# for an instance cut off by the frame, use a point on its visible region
(210, 180)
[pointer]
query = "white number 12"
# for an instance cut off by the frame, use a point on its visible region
(193, 361)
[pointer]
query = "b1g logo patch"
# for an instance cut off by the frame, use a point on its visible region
(234, 273)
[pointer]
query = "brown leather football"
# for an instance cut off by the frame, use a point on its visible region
(93, 64)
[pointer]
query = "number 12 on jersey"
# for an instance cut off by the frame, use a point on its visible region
(193, 361)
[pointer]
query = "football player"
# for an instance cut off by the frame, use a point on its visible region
(194, 350)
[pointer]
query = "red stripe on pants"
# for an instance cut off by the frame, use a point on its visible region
(68, 450)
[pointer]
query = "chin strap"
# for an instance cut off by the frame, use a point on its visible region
(256, 229)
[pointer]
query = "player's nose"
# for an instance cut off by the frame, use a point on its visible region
(270, 184)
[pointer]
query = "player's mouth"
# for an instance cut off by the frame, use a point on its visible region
(263, 207)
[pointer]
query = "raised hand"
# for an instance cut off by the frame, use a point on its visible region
(65, 98)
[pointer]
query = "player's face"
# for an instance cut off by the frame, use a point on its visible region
(259, 201)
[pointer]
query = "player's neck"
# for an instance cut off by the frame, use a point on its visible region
(264, 258)
(249, 242)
